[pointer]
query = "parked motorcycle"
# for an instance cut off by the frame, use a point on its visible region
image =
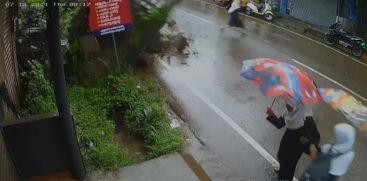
(336, 35)
(263, 9)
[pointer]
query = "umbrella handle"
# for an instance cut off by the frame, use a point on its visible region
(272, 104)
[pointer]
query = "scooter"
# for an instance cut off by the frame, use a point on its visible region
(336, 35)
(263, 9)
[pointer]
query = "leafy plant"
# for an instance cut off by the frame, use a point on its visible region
(164, 141)
(67, 16)
(74, 24)
(147, 25)
(90, 108)
(146, 115)
(95, 129)
(74, 65)
(39, 96)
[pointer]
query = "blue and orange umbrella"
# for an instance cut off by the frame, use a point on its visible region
(278, 79)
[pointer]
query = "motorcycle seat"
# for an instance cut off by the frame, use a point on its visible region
(355, 38)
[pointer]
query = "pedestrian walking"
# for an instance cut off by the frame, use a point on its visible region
(301, 136)
(234, 20)
(335, 158)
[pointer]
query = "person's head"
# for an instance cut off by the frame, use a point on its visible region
(291, 105)
(345, 135)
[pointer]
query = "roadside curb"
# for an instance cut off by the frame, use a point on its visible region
(167, 167)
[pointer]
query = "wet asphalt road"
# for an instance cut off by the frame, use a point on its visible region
(214, 76)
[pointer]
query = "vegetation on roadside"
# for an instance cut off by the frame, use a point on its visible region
(75, 24)
(147, 25)
(144, 110)
(39, 97)
(94, 128)
(140, 102)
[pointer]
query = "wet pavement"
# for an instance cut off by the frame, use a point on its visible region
(208, 85)
(165, 168)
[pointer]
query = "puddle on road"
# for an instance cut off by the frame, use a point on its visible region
(134, 146)
(195, 167)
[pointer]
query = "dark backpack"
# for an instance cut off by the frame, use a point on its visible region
(319, 168)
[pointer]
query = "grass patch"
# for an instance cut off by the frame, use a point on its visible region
(39, 97)
(145, 111)
(145, 115)
(94, 128)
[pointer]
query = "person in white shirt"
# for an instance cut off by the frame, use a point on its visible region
(234, 20)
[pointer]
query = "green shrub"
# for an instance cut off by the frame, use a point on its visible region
(74, 24)
(164, 141)
(142, 99)
(90, 108)
(110, 156)
(95, 129)
(146, 115)
(75, 61)
(147, 25)
(150, 121)
(39, 95)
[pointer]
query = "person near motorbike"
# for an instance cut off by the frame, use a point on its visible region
(234, 20)
(260, 4)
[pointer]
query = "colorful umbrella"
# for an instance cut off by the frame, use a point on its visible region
(351, 108)
(249, 64)
(279, 79)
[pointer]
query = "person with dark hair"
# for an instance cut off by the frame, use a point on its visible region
(301, 136)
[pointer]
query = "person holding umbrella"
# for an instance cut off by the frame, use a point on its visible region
(279, 79)
(301, 136)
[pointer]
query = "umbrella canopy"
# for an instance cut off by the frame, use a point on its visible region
(279, 79)
(351, 108)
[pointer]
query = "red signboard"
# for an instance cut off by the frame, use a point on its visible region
(109, 16)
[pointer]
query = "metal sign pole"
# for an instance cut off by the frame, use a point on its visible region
(116, 53)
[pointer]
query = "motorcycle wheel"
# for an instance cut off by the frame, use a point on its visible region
(268, 16)
(330, 40)
(357, 51)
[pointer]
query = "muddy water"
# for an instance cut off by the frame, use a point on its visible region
(198, 170)
(134, 146)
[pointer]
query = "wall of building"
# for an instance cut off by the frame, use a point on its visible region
(9, 74)
(320, 12)
(8, 64)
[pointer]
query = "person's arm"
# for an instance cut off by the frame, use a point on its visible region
(313, 135)
(312, 131)
(272, 118)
